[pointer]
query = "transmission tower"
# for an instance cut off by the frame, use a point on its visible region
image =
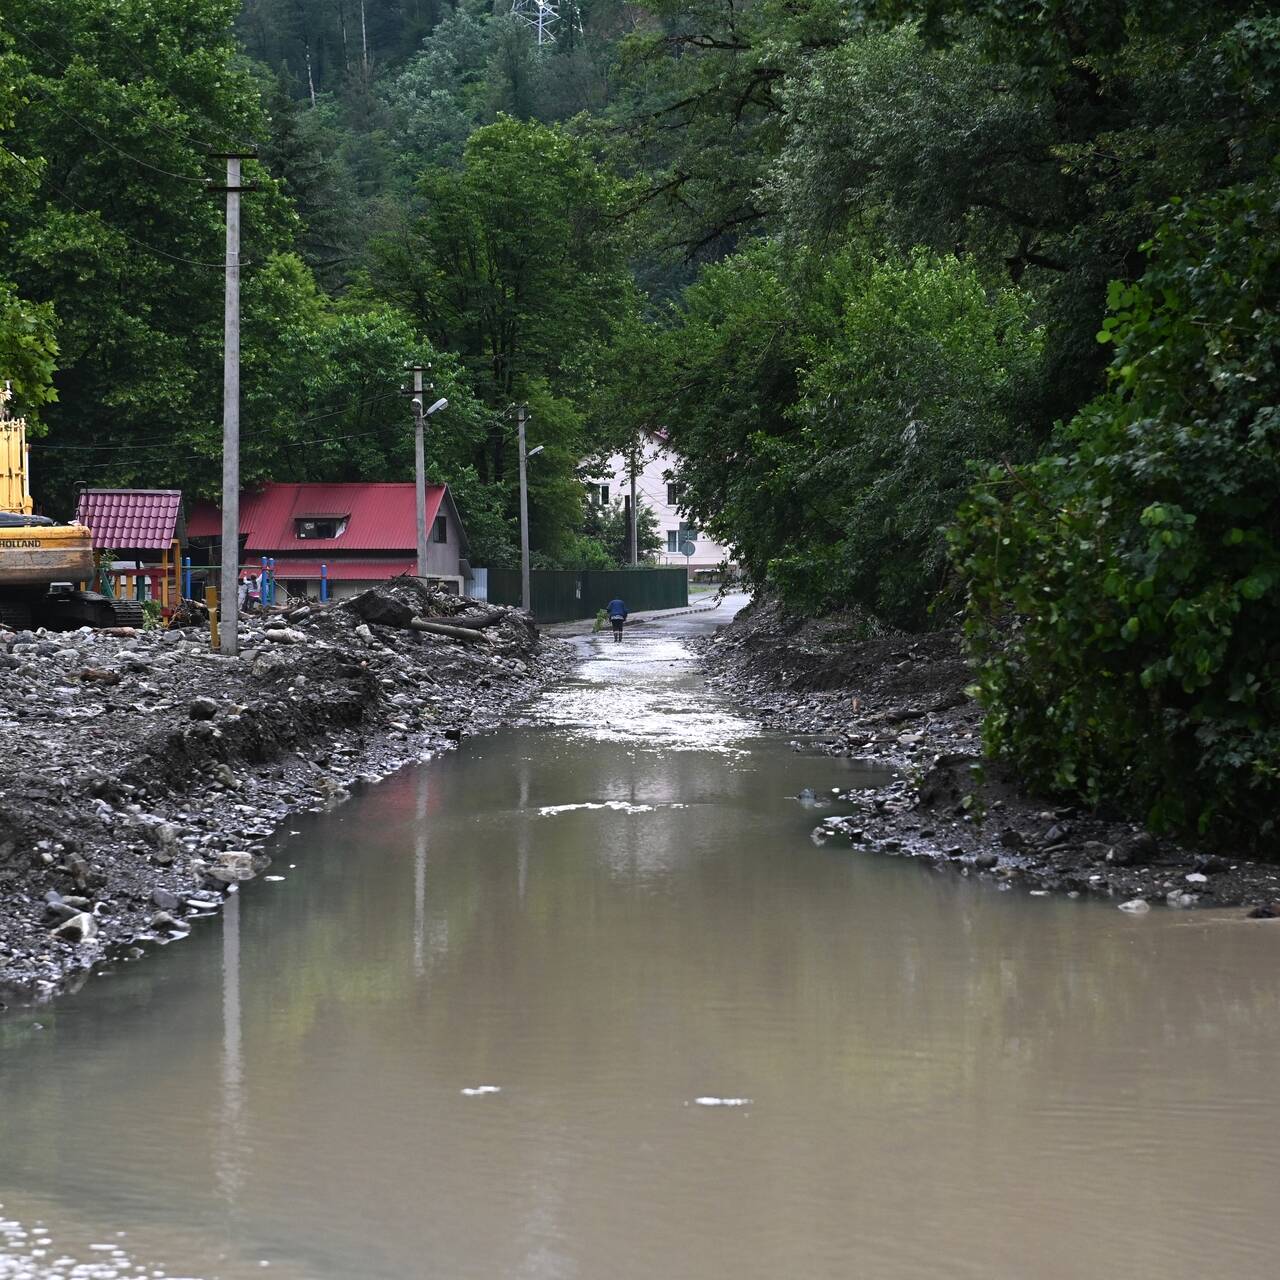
(545, 15)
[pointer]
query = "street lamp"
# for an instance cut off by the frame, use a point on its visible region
(419, 462)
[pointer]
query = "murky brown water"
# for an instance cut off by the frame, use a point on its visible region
(943, 1080)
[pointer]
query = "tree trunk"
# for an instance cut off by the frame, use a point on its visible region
(364, 45)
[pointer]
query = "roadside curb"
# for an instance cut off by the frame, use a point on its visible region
(582, 626)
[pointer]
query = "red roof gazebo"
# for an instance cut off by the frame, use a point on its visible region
(145, 525)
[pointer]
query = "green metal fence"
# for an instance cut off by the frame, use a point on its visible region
(561, 595)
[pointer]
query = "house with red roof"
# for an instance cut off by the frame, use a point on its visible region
(360, 533)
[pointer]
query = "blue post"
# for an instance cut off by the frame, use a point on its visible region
(186, 577)
(324, 583)
(263, 599)
(272, 562)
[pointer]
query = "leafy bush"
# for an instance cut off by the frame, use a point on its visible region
(1124, 597)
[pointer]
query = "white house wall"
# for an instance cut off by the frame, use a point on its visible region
(651, 492)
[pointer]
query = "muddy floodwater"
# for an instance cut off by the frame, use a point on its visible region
(584, 1000)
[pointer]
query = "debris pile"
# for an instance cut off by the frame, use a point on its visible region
(892, 698)
(142, 773)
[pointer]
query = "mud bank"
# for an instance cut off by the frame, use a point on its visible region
(901, 698)
(142, 775)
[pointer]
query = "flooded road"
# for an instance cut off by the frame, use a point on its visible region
(584, 1000)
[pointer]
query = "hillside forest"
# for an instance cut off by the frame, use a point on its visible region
(956, 314)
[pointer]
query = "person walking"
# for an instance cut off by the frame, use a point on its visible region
(617, 611)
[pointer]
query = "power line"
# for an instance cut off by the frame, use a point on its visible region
(177, 135)
(168, 444)
(146, 164)
(220, 265)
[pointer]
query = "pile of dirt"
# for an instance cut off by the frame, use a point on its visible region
(142, 774)
(856, 690)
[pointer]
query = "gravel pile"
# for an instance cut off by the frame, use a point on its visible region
(142, 775)
(901, 699)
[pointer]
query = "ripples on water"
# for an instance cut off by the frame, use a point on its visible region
(582, 1001)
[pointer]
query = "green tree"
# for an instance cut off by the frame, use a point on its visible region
(115, 231)
(1123, 594)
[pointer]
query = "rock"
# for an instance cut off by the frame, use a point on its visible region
(1196, 877)
(807, 794)
(1265, 911)
(285, 635)
(79, 928)
(1096, 851)
(1012, 839)
(164, 900)
(1143, 847)
(381, 607)
(164, 920)
(986, 861)
(232, 865)
(96, 675)
(1057, 833)
(1211, 865)
(1136, 906)
(202, 708)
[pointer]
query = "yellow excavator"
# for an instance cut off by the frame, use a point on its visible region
(43, 564)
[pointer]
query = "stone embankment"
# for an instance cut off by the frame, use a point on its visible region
(901, 699)
(141, 775)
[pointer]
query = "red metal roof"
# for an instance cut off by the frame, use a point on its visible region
(342, 570)
(380, 517)
(131, 519)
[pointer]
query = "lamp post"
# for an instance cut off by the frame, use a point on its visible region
(420, 416)
(526, 595)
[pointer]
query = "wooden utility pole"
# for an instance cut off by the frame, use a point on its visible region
(230, 577)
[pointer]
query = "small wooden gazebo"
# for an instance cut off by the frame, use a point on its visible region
(142, 525)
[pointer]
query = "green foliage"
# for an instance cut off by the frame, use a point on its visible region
(1125, 596)
(842, 399)
(28, 351)
(608, 530)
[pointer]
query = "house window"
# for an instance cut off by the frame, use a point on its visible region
(598, 494)
(440, 530)
(311, 527)
(676, 538)
(673, 494)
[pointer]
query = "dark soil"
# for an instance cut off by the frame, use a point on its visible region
(142, 775)
(901, 698)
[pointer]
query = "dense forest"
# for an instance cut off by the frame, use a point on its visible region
(955, 312)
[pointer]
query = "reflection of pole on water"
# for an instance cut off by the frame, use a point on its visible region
(231, 1131)
(420, 879)
(522, 832)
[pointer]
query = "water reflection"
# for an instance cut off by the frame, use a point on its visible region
(231, 1127)
(945, 1080)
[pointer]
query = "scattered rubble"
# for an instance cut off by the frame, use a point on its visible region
(851, 690)
(142, 774)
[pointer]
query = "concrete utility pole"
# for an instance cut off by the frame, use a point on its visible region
(635, 522)
(228, 597)
(526, 597)
(419, 467)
